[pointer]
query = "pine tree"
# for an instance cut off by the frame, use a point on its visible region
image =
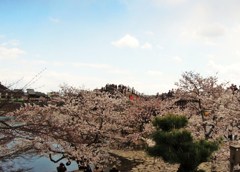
(174, 144)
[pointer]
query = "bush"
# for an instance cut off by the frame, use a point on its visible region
(176, 145)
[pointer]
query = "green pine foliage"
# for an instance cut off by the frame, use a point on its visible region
(174, 144)
(170, 122)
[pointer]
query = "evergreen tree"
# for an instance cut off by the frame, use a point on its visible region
(174, 144)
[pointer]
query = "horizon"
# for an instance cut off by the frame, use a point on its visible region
(145, 44)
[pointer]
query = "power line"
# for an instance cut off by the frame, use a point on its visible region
(34, 79)
(14, 83)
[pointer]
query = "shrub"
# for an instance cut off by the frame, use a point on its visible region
(176, 145)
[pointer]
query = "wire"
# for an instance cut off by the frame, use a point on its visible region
(34, 79)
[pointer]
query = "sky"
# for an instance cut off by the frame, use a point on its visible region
(145, 44)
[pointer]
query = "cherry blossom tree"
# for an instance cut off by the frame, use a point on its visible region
(78, 123)
(198, 97)
(212, 109)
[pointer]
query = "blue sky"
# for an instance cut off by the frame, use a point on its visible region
(146, 44)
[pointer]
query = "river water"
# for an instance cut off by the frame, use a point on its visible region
(33, 163)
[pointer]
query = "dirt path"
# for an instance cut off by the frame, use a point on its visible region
(138, 161)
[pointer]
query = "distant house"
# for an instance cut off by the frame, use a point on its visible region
(18, 93)
(4, 91)
(182, 103)
(53, 94)
(31, 93)
(2, 87)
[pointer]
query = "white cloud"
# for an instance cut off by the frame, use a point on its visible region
(212, 57)
(237, 52)
(10, 53)
(205, 23)
(131, 42)
(228, 72)
(211, 31)
(127, 41)
(147, 46)
(105, 67)
(169, 2)
(160, 46)
(230, 68)
(206, 30)
(118, 71)
(207, 33)
(33, 62)
(177, 59)
(58, 64)
(54, 20)
(91, 65)
(154, 73)
(13, 42)
(149, 33)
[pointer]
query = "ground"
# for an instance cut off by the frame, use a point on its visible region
(138, 161)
